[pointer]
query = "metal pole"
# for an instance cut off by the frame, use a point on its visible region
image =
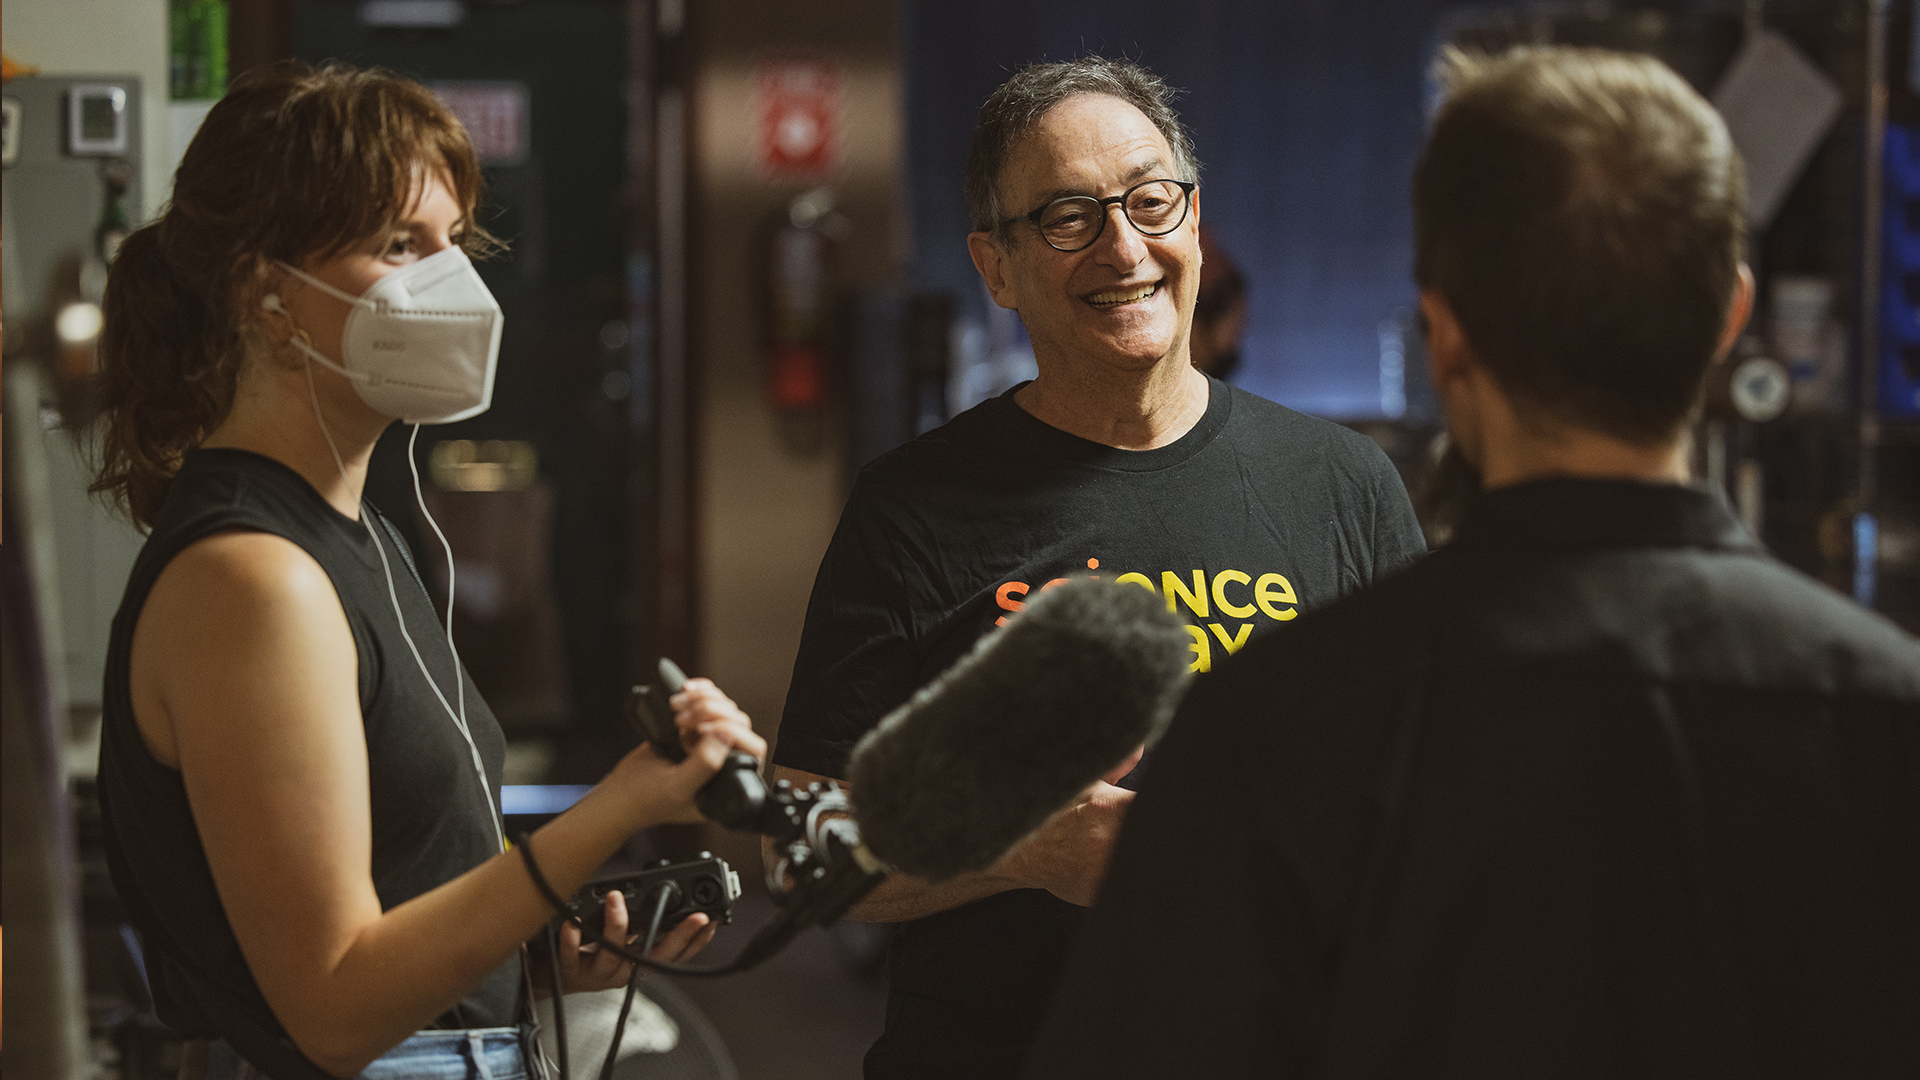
(642, 516)
(45, 999)
(1865, 531)
(675, 398)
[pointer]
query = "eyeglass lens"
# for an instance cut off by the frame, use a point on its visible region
(1155, 208)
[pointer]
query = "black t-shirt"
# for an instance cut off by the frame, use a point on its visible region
(431, 815)
(1253, 516)
(1598, 789)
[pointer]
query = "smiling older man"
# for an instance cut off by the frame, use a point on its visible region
(1119, 461)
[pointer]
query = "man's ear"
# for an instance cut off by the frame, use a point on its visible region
(1448, 353)
(991, 261)
(1739, 310)
(1458, 379)
(1193, 216)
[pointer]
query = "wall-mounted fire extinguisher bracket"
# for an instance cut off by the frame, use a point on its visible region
(801, 280)
(797, 356)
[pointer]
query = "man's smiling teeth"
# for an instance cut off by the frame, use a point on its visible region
(1128, 296)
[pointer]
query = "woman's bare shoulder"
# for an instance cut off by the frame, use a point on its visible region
(232, 617)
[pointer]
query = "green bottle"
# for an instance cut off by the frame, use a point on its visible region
(212, 27)
(179, 49)
(197, 34)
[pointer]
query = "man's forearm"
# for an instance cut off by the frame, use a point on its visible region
(902, 896)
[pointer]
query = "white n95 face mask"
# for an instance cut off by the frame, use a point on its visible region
(421, 344)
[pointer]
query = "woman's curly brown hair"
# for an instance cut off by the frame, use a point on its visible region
(296, 162)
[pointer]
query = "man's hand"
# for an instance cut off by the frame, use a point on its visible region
(1068, 856)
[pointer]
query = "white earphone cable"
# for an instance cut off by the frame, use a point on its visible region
(413, 466)
(458, 717)
(540, 1063)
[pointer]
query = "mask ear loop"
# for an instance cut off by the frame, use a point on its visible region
(300, 340)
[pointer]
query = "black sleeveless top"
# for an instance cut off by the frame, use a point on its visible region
(430, 815)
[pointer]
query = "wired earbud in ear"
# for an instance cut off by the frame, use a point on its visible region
(271, 303)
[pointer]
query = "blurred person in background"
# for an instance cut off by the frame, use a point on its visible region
(1220, 312)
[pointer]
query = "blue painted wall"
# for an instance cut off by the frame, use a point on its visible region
(1307, 116)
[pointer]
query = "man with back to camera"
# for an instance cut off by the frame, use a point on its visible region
(1599, 788)
(1120, 461)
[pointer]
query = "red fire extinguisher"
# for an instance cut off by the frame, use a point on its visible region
(801, 267)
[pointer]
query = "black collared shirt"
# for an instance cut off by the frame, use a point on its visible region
(1600, 789)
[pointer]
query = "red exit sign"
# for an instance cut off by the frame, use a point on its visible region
(797, 106)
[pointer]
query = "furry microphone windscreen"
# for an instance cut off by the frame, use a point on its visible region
(1037, 711)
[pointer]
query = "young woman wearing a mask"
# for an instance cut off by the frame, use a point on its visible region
(298, 780)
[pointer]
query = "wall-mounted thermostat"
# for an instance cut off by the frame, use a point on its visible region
(9, 131)
(97, 119)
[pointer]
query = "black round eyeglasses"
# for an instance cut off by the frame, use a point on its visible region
(1155, 208)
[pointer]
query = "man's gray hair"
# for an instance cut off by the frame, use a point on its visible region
(1012, 110)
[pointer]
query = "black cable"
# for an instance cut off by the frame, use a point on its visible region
(587, 932)
(620, 1025)
(764, 944)
(666, 891)
(559, 998)
(798, 911)
(524, 844)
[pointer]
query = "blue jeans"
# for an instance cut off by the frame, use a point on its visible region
(478, 1054)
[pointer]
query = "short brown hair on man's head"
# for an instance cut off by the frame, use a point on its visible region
(1581, 211)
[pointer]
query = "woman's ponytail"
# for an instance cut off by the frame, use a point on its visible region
(170, 359)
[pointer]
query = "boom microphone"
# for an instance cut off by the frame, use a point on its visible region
(982, 756)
